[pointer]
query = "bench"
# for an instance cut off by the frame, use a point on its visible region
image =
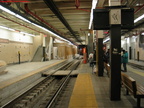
(131, 86)
(107, 67)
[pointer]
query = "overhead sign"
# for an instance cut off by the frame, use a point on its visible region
(115, 16)
(104, 18)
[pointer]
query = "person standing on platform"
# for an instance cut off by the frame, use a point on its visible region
(108, 56)
(125, 60)
(121, 58)
(105, 57)
(90, 58)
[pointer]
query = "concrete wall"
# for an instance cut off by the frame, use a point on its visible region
(133, 42)
(65, 51)
(13, 42)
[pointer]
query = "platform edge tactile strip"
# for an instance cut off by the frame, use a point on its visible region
(83, 95)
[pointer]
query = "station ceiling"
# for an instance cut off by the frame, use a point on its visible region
(67, 18)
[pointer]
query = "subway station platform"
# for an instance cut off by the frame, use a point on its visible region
(14, 71)
(90, 91)
(100, 88)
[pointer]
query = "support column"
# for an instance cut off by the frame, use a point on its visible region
(100, 53)
(115, 53)
(90, 42)
(50, 47)
(44, 45)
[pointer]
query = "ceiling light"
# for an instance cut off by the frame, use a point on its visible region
(4, 27)
(51, 33)
(6, 10)
(94, 3)
(27, 34)
(24, 19)
(107, 39)
(7, 28)
(139, 18)
(11, 29)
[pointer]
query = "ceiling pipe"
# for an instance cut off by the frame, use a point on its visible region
(139, 9)
(56, 11)
(21, 24)
(24, 25)
(31, 13)
(33, 21)
(83, 10)
(133, 2)
(77, 3)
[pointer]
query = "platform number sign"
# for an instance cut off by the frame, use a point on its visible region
(115, 16)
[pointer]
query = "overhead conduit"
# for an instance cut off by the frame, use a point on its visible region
(77, 4)
(26, 17)
(21, 24)
(31, 13)
(55, 10)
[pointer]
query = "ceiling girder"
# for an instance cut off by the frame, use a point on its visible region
(27, 17)
(56, 11)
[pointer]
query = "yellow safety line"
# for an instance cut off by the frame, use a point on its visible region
(83, 95)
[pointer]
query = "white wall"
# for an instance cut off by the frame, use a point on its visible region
(13, 42)
(133, 42)
(15, 36)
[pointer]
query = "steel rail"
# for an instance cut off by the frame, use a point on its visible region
(52, 100)
(13, 101)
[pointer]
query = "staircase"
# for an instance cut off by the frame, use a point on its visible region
(38, 55)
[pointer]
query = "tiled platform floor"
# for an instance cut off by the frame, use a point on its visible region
(102, 91)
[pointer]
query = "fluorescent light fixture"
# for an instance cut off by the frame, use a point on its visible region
(7, 10)
(4, 27)
(7, 28)
(51, 33)
(94, 3)
(11, 29)
(12, 13)
(15, 30)
(139, 18)
(107, 39)
(27, 34)
(142, 33)
(22, 18)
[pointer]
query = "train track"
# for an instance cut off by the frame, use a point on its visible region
(49, 89)
(136, 65)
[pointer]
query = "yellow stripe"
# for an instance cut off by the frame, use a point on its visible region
(83, 95)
